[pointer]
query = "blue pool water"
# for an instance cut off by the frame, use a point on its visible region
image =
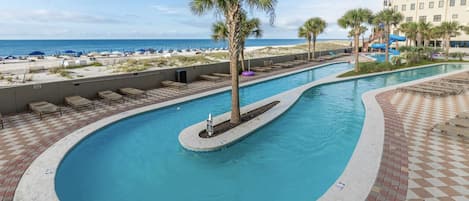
(296, 157)
(380, 57)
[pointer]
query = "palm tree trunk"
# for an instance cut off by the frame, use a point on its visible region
(314, 46)
(243, 67)
(233, 24)
(309, 49)
(447, 39)
(357, 63)
(387, 44)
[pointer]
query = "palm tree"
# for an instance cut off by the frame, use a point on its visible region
(448, 30)
(388, 17)
(249, 27)
(363, 30)
(410, 29)
(310, 30)
(424, 33)
(304, 32)
(232, 11)
(354, 19)
(435, 33)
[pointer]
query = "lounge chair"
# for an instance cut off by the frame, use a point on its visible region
(261, 69)
(132, 92)
(211, 78)
(110, 96)
(463, 115)
(457, 80)
(42, 108)
(452, 130)
(420, 90)
(222, 75)
(176, 85)
(78, 102)
(1, 121)
(459, 122)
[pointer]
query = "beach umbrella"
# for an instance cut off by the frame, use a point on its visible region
(93, 54)
(36, 53)
(105, 53)
(116, 52)
(69, 52)
(10, 57)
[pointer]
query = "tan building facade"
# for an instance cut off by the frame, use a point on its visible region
(435, 12)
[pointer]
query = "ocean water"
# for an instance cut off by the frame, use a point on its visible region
(51, 47)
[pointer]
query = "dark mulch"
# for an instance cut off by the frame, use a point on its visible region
(227, 125)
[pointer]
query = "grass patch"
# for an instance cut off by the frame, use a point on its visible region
(376, 67)
(95, 64)
(61, 71)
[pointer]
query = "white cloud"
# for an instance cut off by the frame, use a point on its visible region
(55, 16)
(167, 10)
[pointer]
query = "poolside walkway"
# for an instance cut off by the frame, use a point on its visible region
(25, 137)
(417, 163)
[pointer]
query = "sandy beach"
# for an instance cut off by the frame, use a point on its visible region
(49, 69)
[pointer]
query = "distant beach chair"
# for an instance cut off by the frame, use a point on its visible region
(222, 75)
(43, 108)
(78, 102)
(110, 96)
(172, 84)
(446, 128)
(210, 78)
(132, 92)
(261, 69)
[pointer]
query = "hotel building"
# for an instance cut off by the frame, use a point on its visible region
(435, 11)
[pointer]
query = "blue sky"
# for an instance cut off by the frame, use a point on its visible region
(85, 19)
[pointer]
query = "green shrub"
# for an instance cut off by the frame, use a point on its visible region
(459, 55)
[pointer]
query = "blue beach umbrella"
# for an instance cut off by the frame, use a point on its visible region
(36, 53)
(69, 52)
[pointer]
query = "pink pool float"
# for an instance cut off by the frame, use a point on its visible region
(248, 73)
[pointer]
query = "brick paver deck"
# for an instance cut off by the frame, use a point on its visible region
(427, 164)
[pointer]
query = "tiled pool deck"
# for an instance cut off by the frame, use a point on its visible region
(416, 164)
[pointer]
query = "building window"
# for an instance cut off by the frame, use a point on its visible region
(404, 7)
(431, 4)
(463, 2)
(412, 6)
(409, 19)
(437, 18)
(421, 5)
(396, 8)
(452, 3)
(441, 4)
(423, 19)
(455, 16)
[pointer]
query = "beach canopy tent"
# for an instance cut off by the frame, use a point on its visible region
(10, 57)
(116, 53)
(36, 53)
(93, 54)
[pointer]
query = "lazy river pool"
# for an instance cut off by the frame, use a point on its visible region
(296, 157)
